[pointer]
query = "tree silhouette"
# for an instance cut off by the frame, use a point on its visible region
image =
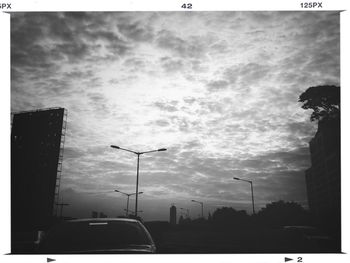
(181, 220)
(283, 213)
(229, 216)
(323, 100)
(210, 218)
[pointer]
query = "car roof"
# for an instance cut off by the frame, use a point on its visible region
(103, 220)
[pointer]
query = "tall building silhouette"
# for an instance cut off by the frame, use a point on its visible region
(173, 215)
(323, 177)
(37, 141)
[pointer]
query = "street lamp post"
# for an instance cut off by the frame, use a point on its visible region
(138, 165)
(251, 187)
(127, 202)
(199, 203)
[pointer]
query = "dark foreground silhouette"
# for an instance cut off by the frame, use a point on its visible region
(280, 227)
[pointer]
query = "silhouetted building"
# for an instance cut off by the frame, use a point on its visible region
(173, 215)
(94, 214)
(37, 140)
(323, 177)
(102, 215)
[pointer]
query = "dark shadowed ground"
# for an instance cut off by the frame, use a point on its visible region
(206, 238)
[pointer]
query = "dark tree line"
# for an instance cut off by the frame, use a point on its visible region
(274, 214)
(278, 213)
(283, 213)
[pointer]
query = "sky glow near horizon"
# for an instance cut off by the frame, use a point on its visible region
(219, 90)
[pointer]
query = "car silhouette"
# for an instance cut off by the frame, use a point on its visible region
(97, 235)
(310, 238)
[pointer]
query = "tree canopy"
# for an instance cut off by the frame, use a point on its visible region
(228, 215)
(323, 100)
(283, 213)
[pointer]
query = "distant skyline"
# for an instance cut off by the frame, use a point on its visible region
(219, 90)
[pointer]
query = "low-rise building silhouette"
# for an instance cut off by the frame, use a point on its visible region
(103, 215)
(94, 214)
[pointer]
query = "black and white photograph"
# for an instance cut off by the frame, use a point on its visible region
(175, 132)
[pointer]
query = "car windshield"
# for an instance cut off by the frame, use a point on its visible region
(80, 236)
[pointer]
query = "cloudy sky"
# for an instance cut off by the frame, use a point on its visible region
(219, 90)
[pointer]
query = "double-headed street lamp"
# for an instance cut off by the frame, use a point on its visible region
(138, 165)
(199, 203)
(251, 186)
(127, 202)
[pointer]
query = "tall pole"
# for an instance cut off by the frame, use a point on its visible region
(137, 183)
(138, 164)
(251, 185)
(201, 203)
(202, 209)
(127, 206)
(127, 200)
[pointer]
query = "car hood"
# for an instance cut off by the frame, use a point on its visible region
(132, 249)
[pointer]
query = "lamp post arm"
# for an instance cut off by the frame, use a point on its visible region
(128, 150)
(120, 148)
(123, 193)
(248, 181)
(148, 152)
